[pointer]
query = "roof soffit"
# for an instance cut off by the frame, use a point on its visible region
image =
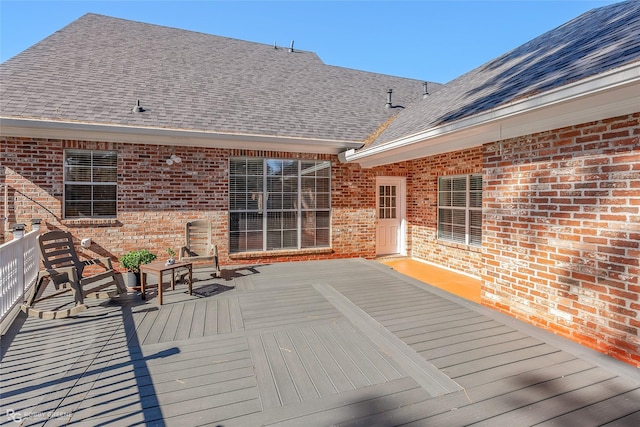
(33, 128)
(610, 94)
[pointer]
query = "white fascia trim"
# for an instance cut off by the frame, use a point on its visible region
(49, 129)
(471, 127)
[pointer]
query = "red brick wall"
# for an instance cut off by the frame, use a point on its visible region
(33, 185)
(561, 232)
(422, 210)
(156, 200)
(561, 229)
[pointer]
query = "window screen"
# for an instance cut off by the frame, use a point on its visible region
(460, 209)
(279, 204)
(90, 184)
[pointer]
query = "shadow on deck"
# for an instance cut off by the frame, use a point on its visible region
(348, 342)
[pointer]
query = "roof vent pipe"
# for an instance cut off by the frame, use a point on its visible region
(388, 104)
(291, 46)
(425, 92)
(138, 108)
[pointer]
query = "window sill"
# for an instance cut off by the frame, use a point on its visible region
(470, 248)
(275, 254)
(91, 222)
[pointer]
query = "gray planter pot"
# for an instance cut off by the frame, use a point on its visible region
(130, 279)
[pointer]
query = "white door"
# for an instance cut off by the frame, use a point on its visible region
(390, 215)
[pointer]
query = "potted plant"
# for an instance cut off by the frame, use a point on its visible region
(132, 261)
(172, 256)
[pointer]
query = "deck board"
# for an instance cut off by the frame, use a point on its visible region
(199, 320)
(340, 407)
(504, 370)
(358, 356)
(211, 317)
(172, 375)
(387, 367)
(224, 316)
(527, 406)
(325, 359)
(301, 379)
(269, 395)
(184, 324)
(570, 395)
(421, 370)
(236, 322)
(159, 324)
(311, 364)
(478, 343)
(344, 342)
(425, 317)
(486, 353)
(633, 419)
(598, 407)
(428, 342)
(171, 329)
(347, 364)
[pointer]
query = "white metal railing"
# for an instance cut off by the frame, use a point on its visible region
(19, 265)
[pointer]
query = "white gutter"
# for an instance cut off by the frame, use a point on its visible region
(609, 94)
(36, 128)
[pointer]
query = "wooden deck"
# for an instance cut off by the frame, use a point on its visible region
(344, 342)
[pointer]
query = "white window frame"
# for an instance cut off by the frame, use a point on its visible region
(261, 211)
(89, 183)
(472, 233)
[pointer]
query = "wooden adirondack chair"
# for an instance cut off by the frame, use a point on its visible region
(198, 245)
(65, 270)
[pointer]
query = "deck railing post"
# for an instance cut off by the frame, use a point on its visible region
(31, 255)
(18, 231)
(18, 234)
(35, 223)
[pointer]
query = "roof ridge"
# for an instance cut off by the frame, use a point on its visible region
(169, 27)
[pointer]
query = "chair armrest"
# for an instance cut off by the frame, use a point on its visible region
(57, 271)
(182, 252)
(54, 273)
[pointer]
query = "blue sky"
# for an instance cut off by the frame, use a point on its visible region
(427, 40)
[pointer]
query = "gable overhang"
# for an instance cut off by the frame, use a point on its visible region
(609, 94)
(50, 129)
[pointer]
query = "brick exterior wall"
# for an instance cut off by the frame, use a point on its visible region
(561, 232)
(561, 227)
(422, 211)
(155, 200)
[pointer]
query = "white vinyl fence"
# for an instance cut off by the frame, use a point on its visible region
(19, 264)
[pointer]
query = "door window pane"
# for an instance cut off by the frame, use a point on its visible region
(387, 202)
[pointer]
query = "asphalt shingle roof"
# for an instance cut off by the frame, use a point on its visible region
(594, 42)
(94, 70)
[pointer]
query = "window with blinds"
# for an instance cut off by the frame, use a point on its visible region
(460, 209)
(90, 184)
(278, 204)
